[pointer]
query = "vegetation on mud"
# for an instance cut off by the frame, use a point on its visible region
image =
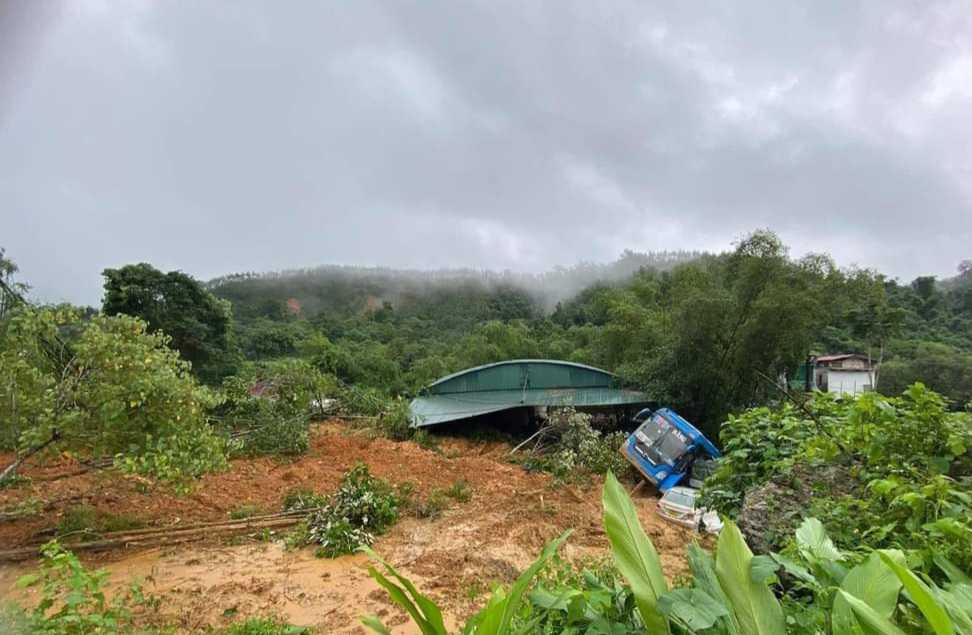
(573, 449)
(879, 472)
(817, 589)
(73, 601)
(362, 508)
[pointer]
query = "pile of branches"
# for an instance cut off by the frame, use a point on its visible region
(567, 444)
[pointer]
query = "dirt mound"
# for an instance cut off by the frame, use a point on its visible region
(771, 512)
(456, 558)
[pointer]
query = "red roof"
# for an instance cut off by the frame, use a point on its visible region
(838, 356)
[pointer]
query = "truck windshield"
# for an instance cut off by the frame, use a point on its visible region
(660, 441)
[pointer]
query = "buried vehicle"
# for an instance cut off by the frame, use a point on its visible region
(666, 447)
(680, 505)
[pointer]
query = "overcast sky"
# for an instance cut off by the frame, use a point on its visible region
(244, 136)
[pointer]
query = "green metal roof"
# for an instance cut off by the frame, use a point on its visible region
(517, 383)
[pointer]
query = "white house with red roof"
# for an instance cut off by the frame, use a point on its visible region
(844, 374)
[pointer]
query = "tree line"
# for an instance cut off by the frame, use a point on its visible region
(708, 334)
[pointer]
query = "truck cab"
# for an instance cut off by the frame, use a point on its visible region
(664, 447)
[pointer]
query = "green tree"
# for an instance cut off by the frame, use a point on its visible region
(199, 325)
(122, 392)
(11, 291)
(706, 336)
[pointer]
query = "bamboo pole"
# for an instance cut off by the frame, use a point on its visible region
(154, 536)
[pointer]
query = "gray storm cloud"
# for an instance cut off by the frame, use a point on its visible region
(218, 137)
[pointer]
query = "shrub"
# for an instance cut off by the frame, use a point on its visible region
(274, 421)
(73, 600)
(265, 626)
(300, 499)
(879, 472)
(394, 421)
(109, 388)
(273, 433)
(757, 444)
(362, 508)
(360, 400)
(578, 448)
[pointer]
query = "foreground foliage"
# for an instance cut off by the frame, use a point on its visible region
(731, 593)
(880, 472)
(73, 600)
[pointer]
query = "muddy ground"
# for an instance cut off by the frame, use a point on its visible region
(455, 558)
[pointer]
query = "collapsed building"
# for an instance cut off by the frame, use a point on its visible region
(521, 390)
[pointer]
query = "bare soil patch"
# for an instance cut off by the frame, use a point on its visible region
(454, 558)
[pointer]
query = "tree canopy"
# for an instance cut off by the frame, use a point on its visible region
(198, 323)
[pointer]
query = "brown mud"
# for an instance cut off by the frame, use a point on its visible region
(454, 558)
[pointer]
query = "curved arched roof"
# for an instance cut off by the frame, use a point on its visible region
(517, 383)
(515, 374)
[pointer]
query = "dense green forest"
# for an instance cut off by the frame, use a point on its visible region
(699, 331)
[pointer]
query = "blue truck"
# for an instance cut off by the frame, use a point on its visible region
(665, 446)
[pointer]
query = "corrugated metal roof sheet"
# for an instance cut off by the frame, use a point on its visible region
(839, 356)
(517, 383)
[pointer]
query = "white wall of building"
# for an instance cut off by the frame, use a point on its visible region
(849, 382)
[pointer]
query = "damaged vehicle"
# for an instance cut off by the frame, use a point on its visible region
(665, 447)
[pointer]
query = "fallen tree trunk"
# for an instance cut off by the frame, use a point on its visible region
(11, 469)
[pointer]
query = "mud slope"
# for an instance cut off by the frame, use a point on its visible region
(454, 558)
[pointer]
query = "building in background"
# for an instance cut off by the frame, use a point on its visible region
(843, 374)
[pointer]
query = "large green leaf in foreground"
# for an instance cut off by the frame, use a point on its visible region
(922, 596)
(424, 611)
(634, 554)
(497, 616)
(872, 582)
(756, 609)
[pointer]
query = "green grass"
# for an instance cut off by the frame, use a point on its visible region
(433, 506)
(77, 519)
(459, 491)
(119, 522)
(244, 511)
(265, 626)
(82, 519)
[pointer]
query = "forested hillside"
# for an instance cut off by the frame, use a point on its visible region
(351, 289)
(701, 331)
